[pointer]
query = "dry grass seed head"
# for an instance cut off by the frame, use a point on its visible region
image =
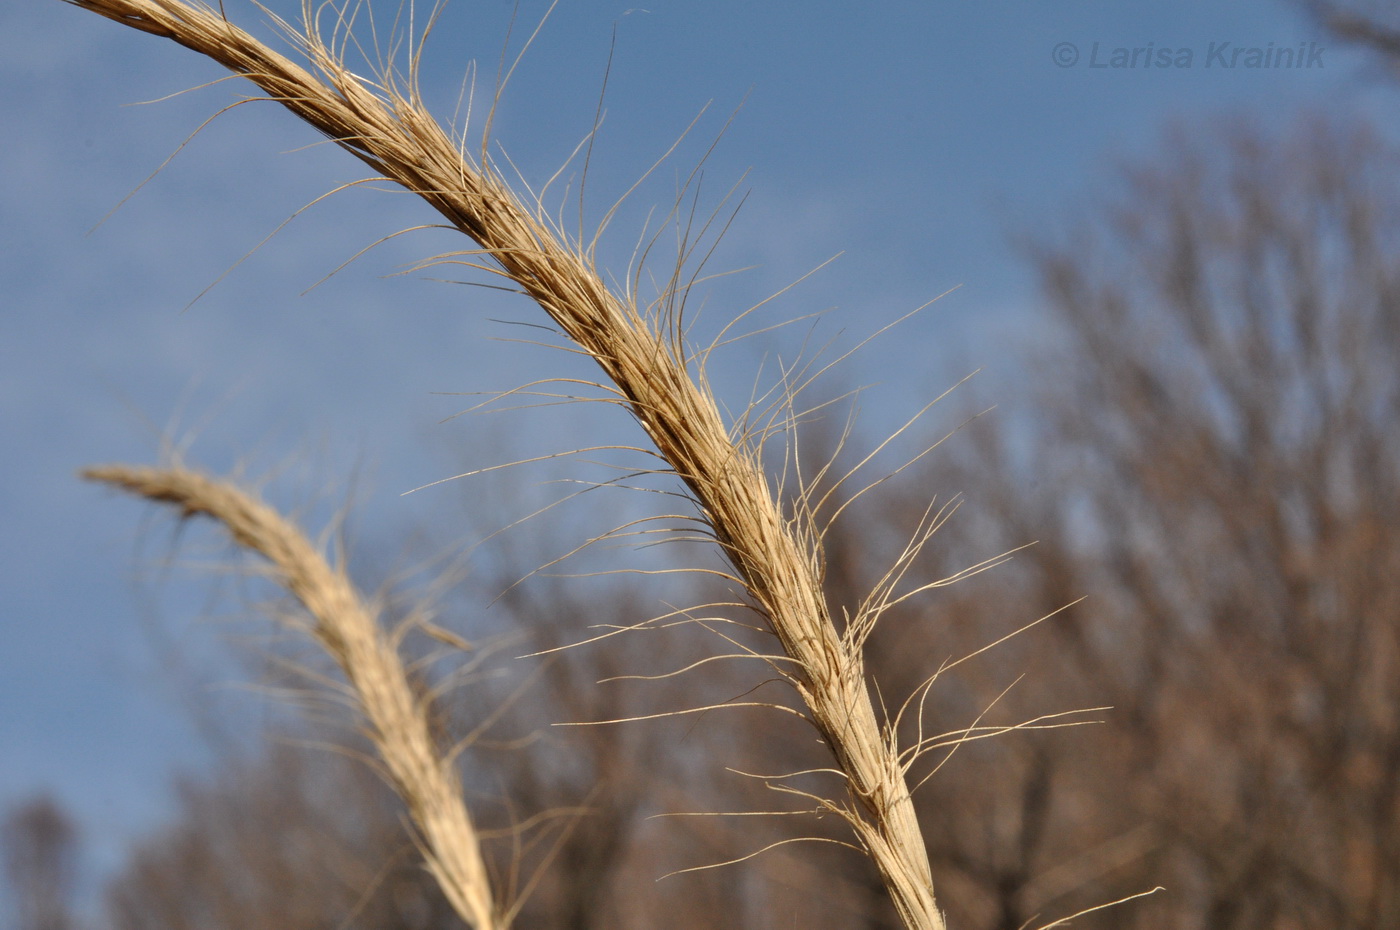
(774, 550)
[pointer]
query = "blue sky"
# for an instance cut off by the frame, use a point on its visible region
(912, 137)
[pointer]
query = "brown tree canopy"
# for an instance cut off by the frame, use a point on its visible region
(40, 844)
(1214, 461)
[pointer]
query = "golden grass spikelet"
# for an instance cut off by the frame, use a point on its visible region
(349, 631)
(775, 557)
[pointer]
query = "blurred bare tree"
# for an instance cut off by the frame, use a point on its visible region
(1370, 23)
(297, 839)
(1214, 459)
(40, 848)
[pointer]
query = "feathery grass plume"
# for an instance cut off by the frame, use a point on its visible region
(775, 557)
(347, 628)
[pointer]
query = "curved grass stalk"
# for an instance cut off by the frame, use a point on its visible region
(642, 353)
(347, 628)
